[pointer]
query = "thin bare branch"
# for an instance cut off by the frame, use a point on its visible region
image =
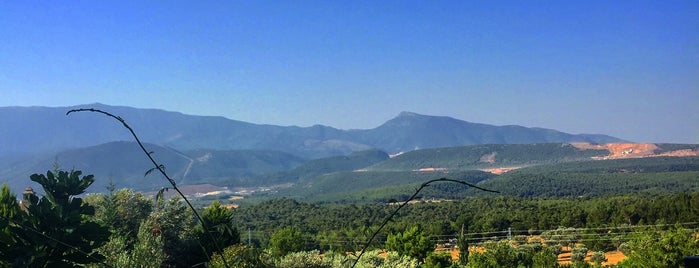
(160, 168)
(390, 217)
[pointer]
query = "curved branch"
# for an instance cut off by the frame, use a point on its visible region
(366, 245)
(160, 168)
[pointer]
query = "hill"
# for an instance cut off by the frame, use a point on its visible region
(601, 178)
(488, 156)
(538, 170)
(371, 172)
(125, 164)
(409, 131)
(372, 186)
(47, 129)
(317, 167)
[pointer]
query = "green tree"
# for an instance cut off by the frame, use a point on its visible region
(546, 258)
(661, 248)
(412, 243)
(220, 223)
(240, 256)
(302, 259)
(122, 210)
(287, 240)
(501, 254)
(439, 260)
(462, 244)
(55, 230)
(597, 258)
(11, 215)
(374, 259)
(147, 251)
(176, 225)
(578, 253)
(481, 260)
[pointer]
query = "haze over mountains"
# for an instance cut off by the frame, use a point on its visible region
(206, 149)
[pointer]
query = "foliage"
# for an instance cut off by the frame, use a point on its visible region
(546, 258)
(380, 185)
(287, 240)
(122, 211)
(146, 251)
(658, 175)
(412, 243)
(501, 254)
(661, 248)
(302, 259)
(578, 253)
(344, 227)
(462, 244)
(597, 258)
(240, 256)
(373, 258)
(54, 230)
(219, 221)
(176, 225)
(10, 212)
(439, 260)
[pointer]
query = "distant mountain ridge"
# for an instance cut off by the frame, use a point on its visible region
(48, 129)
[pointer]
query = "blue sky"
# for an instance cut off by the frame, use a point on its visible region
(624, 68)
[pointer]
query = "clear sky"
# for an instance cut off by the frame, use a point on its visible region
(629, 69)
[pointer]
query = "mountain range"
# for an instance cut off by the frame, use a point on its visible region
(208, 149)
(48, 129)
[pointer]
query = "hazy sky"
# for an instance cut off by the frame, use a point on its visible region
(629, 69)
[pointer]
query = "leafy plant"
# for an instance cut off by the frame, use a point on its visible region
(412, 243)
(54, 230)
(287, 240)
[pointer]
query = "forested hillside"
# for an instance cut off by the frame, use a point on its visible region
(488, 156)
(129, 229)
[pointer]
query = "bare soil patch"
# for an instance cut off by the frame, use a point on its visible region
(632, 150)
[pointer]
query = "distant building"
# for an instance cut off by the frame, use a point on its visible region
(24, 203)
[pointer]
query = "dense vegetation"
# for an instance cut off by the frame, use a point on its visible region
(646, 208)
(491, 216)
(376, 186)
(660, 175)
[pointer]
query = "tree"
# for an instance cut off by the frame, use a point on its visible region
(146, 251)
(176, 225)
(55, 230)
(287, 240)
(241, 256)
(220, 223)
(411, 243)
(122, 211)
(10, 213)
(661, 248)
(597, 258)
(302, 259)
(578, 253)
(546, 258)
(439, 260)
(462, 244)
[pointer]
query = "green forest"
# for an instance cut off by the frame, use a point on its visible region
(123, 228)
